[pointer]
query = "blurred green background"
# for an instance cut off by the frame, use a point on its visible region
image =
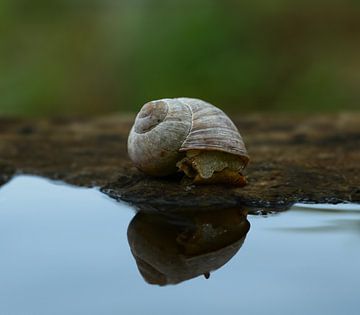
(64, 57)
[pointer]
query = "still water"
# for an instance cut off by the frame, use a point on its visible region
(65, 250)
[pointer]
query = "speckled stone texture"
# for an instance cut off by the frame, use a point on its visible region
(307, 158)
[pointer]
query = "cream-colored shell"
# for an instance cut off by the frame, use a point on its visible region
(166, 128)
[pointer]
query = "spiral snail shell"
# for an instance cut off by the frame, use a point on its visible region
(188, 135)
(172, 249)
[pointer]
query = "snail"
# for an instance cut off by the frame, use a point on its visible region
(191, 136)
(169, 249)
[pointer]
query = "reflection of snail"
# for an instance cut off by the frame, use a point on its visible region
(169, 250)
(189, 135)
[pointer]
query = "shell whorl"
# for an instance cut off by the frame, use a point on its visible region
(159, 131)
(150, 115)
(166, 128)
(213, 130)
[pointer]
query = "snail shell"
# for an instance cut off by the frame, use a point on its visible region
(173, 134)
(169, 250)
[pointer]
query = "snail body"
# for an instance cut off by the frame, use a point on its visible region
(188, 135)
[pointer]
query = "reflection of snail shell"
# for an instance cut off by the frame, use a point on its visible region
(167, 130)
(171, 252)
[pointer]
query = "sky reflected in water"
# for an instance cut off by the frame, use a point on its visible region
(64, 250)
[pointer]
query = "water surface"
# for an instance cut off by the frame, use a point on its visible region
(64, 250)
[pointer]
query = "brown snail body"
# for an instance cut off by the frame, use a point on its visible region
(189, 135)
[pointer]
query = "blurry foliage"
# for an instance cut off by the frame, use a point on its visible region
(74, 57)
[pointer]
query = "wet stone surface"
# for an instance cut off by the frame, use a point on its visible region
(313, 158)
(6, 172)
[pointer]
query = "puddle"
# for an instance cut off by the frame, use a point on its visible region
(65, 250)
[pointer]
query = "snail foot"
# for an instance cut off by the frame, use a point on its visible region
(226, 176)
